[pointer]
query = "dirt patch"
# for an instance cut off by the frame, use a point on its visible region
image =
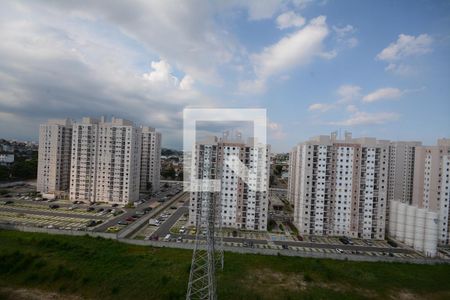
(33, 294)
(408, 295)
(276, 280)
(405, 295)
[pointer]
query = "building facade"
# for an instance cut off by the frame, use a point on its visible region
(54, 156)
(96, 160)
(431, 188)
(243, 199)
(150, 160)
(339, 187)
(401, 171)
(105, 164)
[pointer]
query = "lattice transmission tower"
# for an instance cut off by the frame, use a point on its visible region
(208, 249)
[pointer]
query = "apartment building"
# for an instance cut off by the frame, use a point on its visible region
(401, 170)
(150, 160)
(243, 198)
(106, 157)
(401, 174)
(83, 173)
(431, 188)
(339, 187)
(54, 156)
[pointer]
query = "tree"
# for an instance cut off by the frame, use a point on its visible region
(169, 173)
(278, 170)
(4, 173)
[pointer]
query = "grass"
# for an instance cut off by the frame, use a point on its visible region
(96, 268)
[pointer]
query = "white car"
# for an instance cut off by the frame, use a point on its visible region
(338, 250)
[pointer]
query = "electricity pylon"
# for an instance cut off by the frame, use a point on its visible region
(208, 249)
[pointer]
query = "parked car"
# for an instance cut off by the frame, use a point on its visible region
(392, 243)
(90, 208)
(113, 229)
(123, 223)
(92, 223)
(345, 240)
(285, 247)
(53, 206)
(167, 237)
(338, 250)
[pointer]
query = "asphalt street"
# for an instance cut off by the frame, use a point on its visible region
(164, 228)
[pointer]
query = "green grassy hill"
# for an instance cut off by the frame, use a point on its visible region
(84, 267)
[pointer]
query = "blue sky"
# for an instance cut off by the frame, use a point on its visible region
(376, 68)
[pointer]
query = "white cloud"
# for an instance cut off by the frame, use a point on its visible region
(187, 83)
(352, 108)
(321, 107)
(294, 50)
(405, 46)
(261, 9)
(344, 36)
(383, 93)
(348, 93)
(400, 69)
(343, 31)
(256, 86)
(365, 118)
(276, 130)
(290, 19)
(161, 75)
(302, 3)
(184, 33)
(52, 67)
(256, 9)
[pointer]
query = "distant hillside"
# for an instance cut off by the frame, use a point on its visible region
(168, 152)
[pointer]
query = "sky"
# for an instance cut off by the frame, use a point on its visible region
(375, 68)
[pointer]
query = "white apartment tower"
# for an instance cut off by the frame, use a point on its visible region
(105, 165)
(431, 189)
(244, 201)
(83, 174)
(150, 160)
(54, 156)
(339, 187)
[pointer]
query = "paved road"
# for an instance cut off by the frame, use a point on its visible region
(122, 217)
(164, 228)
(342, 246)
(52, 213)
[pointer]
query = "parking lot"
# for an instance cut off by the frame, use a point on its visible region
(171, 226)
(21, 205)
